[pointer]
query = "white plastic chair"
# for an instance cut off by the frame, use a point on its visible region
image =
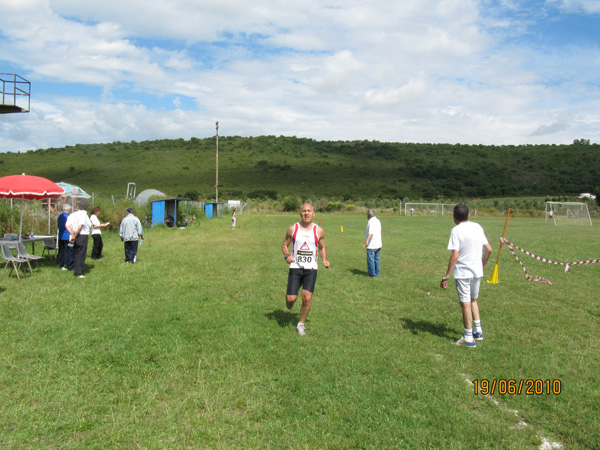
(50, 245)
(24, 254)
(14, 260)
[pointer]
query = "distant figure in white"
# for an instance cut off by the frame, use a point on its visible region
(373, 243)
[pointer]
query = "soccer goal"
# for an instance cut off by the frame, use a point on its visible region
(568, 213)
(428, 209)
(244, 208)
(422, 209)
(239, 206)
(448, 209)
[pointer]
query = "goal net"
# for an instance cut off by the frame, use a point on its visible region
(568, 213)
(448, 209)
(239, 206)
(428, 209)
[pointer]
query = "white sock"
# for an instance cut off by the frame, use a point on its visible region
(477, 324)
(468, 334)
(300, 325)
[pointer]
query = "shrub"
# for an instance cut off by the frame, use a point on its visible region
(290, 203)
(263, 193)
(8, 216)
(191, 195)
(334, 206)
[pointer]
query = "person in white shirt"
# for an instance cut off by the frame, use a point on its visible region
(97, 233)
(373, 243)
(466, 242)
(79, 226)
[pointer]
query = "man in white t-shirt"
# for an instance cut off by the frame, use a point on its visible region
(373, 243)
(466, 242)
(79, 226)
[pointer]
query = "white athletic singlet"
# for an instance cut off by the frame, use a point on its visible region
(305, 247)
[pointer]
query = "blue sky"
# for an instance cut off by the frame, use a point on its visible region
(456, 71)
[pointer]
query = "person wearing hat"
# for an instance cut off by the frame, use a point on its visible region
(79, 226)
(130, 232)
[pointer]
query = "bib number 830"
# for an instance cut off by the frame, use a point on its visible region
(304, 259)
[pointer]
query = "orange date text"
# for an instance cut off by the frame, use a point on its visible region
(517, 387)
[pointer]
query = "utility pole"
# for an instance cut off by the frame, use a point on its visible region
(217, 168)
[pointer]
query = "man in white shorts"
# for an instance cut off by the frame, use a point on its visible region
(466, 241)
(307, 240)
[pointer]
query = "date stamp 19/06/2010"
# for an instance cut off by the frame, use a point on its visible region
(517, 387)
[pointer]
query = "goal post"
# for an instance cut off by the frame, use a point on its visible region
(239, 206)
(428, 209)
(422, 209)
(568, 213)
(448, 208)
(244, 208)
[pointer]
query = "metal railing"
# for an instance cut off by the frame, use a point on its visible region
(14, 87)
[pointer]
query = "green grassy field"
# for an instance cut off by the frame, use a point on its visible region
(193, 348)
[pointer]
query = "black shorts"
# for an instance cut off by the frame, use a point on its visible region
(301, 277)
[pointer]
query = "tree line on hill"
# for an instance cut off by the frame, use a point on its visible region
(275, 167)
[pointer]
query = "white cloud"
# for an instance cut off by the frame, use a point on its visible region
(337, 73)
(559, 125)
(587, 6)
(412, 92)
(418, 70)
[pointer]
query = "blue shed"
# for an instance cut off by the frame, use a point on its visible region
(166, 211)
(214, 210)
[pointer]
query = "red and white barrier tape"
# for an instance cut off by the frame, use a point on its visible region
(512, 248)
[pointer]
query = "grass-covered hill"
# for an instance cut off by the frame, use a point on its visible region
(267, 166)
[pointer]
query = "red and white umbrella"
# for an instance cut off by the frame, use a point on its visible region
(28, 187)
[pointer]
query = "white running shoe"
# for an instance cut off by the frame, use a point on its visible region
(300, 329)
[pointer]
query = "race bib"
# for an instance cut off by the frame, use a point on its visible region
(304, 258)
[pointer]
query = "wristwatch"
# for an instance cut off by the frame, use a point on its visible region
(287, 256)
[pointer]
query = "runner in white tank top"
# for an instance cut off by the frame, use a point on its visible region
(307, 240)
(305, 249)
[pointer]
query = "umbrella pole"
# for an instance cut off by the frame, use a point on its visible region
(21, 221)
